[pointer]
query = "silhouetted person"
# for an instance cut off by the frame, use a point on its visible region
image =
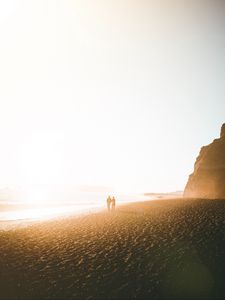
(113, 203)
(108, 202)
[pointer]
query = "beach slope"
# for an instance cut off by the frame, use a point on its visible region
(157, 249)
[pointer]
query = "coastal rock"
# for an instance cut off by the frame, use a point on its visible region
(222, 132)
(208, 178)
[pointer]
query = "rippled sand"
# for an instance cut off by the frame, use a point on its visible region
(155, 249)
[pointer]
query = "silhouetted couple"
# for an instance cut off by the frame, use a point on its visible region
(111, 203)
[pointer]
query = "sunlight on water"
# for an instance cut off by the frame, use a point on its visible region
(37, 213)
(83, 203)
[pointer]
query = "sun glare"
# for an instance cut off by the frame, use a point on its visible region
(36, 196)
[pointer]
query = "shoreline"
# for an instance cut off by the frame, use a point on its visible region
(18, 214)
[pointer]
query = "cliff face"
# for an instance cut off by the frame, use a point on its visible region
(208, 178)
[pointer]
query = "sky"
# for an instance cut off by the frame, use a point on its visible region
(119, 94)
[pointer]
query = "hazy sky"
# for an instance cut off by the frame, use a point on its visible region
(112, 93)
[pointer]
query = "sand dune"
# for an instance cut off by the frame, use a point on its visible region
(155, 249)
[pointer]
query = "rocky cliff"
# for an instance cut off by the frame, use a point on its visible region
(208, 178)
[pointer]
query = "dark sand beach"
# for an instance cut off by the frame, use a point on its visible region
(155, 249)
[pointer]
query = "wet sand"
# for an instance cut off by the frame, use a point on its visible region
(158, 249)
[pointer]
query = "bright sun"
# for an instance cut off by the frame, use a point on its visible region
(37, 196)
